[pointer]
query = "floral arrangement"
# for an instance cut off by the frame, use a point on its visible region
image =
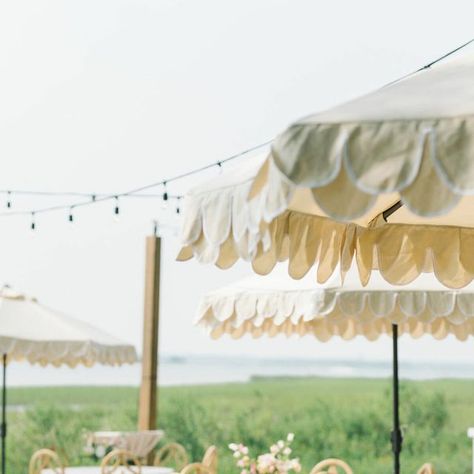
(277, 461)
(95, 450)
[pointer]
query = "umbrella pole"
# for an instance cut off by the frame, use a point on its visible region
(3, 427)
(397, 438)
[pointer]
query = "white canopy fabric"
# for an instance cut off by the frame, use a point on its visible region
(32, 332)
(321, 194)
(276, 304)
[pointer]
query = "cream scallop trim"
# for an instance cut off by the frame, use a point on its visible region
(401, 252)
(428, 162)
(71, 353)
(334, 312)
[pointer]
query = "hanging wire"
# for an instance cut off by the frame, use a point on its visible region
(135, 193)
(432, 63)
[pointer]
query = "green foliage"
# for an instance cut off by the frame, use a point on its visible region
(350, 419)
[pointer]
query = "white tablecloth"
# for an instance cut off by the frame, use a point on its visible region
(96, 470)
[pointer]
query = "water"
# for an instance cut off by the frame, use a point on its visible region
(190, 370)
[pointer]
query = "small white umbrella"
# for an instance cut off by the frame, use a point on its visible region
(276, 304)
(32, 332)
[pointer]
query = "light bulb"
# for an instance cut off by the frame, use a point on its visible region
(164, 204)
(116, 209)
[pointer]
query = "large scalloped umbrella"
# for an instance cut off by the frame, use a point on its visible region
(221, 224)
(386, 179)
(276, 304)
(32, 332)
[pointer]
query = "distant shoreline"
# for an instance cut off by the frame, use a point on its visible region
(211, 370)
(258, 379)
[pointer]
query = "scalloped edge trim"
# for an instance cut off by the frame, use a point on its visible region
(220, 315)
(347, 329)
(428, 134)
(315, 304)
(400, 252)
(66, 353)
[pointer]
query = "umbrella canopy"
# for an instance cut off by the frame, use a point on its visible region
(276, 304)
(32, 332)
(387, 178)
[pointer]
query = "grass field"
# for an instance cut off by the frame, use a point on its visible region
(346, 418)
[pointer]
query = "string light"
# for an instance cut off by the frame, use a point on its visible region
(165, 197)
(132, 193)
(178, 208)
(117, 208)
(93, 198)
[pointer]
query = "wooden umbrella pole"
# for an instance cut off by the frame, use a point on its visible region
(147, 412)
(397, 438)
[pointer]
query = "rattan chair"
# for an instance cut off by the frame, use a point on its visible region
(120, 461)
(427, 469)
(171, 455)
(196, 468)
(45, 459)
(210, 459)
(331, 466)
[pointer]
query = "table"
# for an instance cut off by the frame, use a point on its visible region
(96, 470)
(140, 443)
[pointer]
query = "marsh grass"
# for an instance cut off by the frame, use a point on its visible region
(346, 418)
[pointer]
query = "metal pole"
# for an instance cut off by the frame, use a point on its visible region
(397, 438)
(3, 427)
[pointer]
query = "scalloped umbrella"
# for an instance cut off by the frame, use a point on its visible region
(386, 179)
(221, 224)
(276, 304)
(34, 333)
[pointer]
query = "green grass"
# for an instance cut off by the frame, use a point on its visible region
(346, 418)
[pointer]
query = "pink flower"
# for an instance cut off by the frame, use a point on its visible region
(266, 463)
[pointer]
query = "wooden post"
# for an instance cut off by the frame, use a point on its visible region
(147, 411)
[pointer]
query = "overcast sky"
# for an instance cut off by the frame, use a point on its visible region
(107, 95)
